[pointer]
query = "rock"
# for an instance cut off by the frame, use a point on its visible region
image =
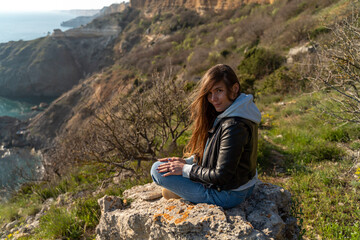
(151, 6)
(30, 69)
(293, 52)
(43, 105)
(265, 215)
(64, 199)
(35, 108)
(9, 127)
(109, 203)
(146, 192)
(11, 225)
(45, 207)
(113, 8)
(78, 21)
(22, 236)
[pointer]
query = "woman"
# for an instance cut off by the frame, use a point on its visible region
(223, 145)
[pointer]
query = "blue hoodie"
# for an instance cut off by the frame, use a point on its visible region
(244, 107)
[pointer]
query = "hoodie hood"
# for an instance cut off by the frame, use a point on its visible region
(244, 107)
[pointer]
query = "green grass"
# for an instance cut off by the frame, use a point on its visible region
(329, 204)
(19, 208)
(293, 134)
(59, 222)
(318, 172)
(79, 219)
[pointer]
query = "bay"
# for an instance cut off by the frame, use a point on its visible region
(15, 26)
(17, 165)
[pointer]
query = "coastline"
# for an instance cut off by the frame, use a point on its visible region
(19, 161)
(16, 26)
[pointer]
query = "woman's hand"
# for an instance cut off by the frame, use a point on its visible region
(171, 168)
(172, 159)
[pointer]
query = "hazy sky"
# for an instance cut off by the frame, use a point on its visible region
(46, 5)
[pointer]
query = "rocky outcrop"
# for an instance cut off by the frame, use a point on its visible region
(78, 21)
(83, 32)
(113, 8)
(265, 215)
(197, 5)
(12, 132)
(295, 52)
(49, 66)
(83, 20)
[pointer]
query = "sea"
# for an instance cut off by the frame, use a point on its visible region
(15, 26)
(19, 165)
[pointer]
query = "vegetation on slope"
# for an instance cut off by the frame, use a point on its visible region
(308, 152)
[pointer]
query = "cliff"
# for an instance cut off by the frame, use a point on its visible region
(50, 66)
(85, 19)
(265, 215)
(151, 6)
(78, 21)
(113, 8)
(84, 32)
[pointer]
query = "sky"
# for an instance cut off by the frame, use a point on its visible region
(48, 5)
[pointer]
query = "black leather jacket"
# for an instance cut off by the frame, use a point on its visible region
(230, 157)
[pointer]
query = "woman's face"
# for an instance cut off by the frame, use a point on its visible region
(218, 96)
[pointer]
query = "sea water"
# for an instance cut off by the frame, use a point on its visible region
(18, 165)
(15, 26)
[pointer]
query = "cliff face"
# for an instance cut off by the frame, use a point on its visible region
(85, 19)
(48, 67)
(198, 5)
(113, 8)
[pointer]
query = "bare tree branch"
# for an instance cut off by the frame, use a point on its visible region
(338, 69)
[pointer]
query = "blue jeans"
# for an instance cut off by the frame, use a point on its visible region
(196, 193)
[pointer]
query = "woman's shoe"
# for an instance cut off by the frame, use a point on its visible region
(167, 194)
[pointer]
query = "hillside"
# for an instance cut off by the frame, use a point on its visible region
(189, 44)
(151, 7)
(48, 67)
(80, 134)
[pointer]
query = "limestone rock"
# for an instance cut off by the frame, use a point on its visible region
(11, 225)
(109, 203)
(43, 105)
(146, 192)
(113, 8)
(200, 6)
(299, 50)
(265, 215)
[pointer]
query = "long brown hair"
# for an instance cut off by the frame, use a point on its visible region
(203, 114)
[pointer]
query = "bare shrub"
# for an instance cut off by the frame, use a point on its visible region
(184, 18)
(272, 34)
(290, 9)
(197, 61)
(298, 30)
(137, 128)
(338, 69)
(252, 28)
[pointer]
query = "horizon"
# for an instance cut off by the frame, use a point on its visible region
(51, 5)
